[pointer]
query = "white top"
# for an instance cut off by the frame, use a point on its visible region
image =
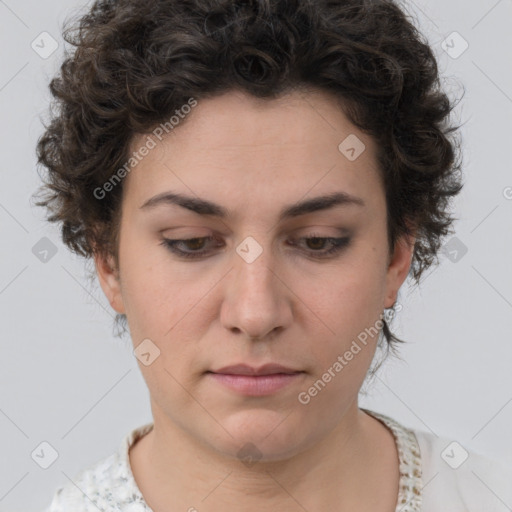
(437, 474)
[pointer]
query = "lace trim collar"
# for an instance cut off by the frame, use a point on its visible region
(410, 486)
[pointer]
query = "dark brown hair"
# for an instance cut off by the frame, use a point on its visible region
(135, 63)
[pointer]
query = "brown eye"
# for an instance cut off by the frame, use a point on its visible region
(316, 244)
(193, 245)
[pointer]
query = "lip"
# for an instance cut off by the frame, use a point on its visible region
(251, 381)
(266, 369)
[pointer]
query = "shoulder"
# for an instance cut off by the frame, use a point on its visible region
(454, 473)
(86, 491)
(440, 473)
(106, 485)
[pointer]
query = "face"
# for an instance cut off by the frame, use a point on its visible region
(268, 276)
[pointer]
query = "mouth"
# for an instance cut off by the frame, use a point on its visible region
(266, 369)
(251, 381)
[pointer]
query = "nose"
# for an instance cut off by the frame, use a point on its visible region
(258, 301)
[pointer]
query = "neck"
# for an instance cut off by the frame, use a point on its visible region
(171, 466)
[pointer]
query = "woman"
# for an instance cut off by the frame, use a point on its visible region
(255, 180)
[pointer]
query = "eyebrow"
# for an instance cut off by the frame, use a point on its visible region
(204, 207)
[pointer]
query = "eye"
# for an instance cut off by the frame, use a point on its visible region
(194, 243)
(318, 242)
(194, 246)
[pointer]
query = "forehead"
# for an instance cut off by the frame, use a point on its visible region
(237, 119)
(245, 149)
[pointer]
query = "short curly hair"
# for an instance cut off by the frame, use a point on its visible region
(136, 62)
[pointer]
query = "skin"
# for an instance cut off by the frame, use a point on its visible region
(287, 306)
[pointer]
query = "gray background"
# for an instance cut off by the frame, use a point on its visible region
(65, 379)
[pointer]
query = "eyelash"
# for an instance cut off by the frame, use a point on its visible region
(338, 244)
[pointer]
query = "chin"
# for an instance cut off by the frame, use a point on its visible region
(261, 435)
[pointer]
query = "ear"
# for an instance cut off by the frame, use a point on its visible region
(108, 276)
(398, 268)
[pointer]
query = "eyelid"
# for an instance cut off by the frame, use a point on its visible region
(298, 232)
(338, 244)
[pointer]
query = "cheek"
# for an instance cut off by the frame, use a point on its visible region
(346, 336)
(345, 306)
(148, 293)
(363, 285)
(164, 302)
(349, 297)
